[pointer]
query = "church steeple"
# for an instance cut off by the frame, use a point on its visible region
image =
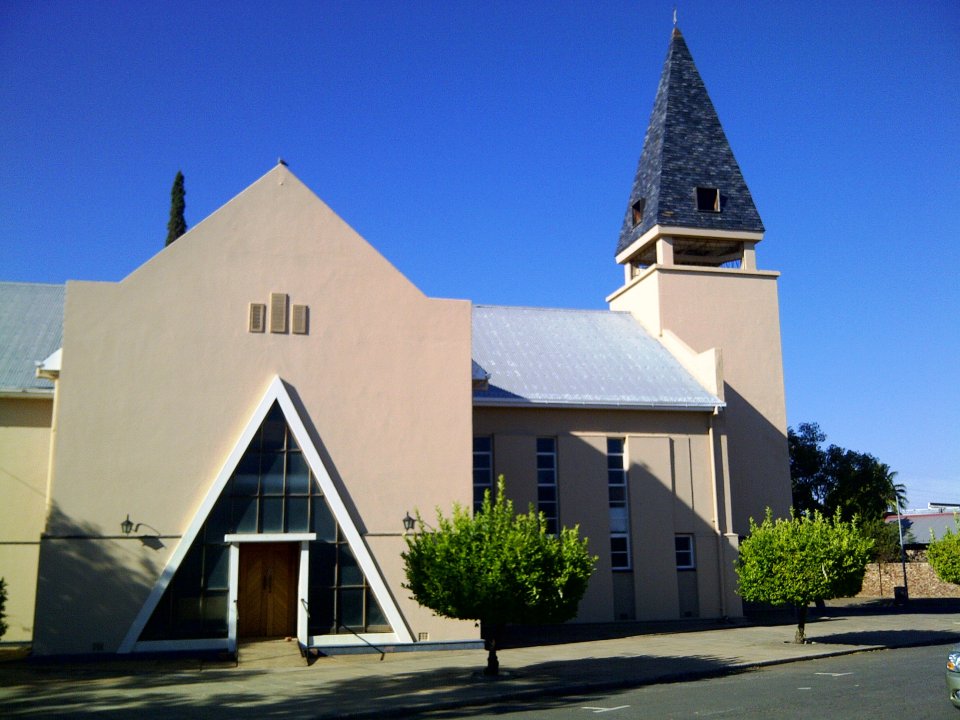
(688, 184)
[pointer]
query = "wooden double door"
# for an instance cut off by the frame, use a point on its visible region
(267, 591)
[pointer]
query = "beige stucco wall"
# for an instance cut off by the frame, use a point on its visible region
(737, 312)
(160, 375)
(670, 492)
(24, 452)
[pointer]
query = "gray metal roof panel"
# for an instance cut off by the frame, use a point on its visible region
(596, 358)
(31, 328)
(685, 147)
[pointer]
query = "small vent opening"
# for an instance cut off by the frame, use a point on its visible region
(258, 317)
(708, 199)
(636, 211)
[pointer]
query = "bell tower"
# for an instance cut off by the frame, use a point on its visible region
(688, 249)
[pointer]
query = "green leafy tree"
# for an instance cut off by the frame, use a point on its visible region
(3, 607)
(800, 560)
(177, 225)
(497, 567)
(833, 480)
(943, 554)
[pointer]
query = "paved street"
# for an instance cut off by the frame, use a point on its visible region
(902, 683)
(272, 681)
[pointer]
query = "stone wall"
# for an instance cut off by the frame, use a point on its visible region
(922, 582)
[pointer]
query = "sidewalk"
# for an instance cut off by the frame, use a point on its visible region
(273, 681)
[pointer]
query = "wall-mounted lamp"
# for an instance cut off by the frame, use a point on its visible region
(408, 523)
(127, 527)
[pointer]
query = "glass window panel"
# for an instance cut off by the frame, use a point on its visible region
(548, 508)
(478, 496)
(616, 477)
(297, 510)
(618, 520)
(546, 492)
(246, 478)
(546, 477)
(187, 579)
(215, 614)
(351, 608)
(218, 521)
(614, 446)
(323, 561)
(545, 462)
(376, 620)
(551, 526)
(320, 607)
(482, 477)
(481, 444)
(273, 429)
(216, 567)
(481, 462)
(292, 443)
(298, 476)
(272, 515)
(618, 544)
(350, 573)
(245, 514)
(618, 494)
(272, 474)
(545, 445)
(615, 462)
(322, 521)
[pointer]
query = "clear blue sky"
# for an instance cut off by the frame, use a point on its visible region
(487, 150)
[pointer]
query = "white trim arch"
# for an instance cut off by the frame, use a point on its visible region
(276, 393)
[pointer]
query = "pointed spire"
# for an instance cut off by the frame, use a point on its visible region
(687, 175)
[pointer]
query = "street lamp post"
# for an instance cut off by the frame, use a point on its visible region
(903, 556)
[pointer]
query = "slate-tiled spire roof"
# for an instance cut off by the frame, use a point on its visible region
(685, 148)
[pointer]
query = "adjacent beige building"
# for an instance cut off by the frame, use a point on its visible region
(239, 426)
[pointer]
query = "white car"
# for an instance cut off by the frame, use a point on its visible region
(953, 676)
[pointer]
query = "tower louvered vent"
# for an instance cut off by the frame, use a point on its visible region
(300, 319)
(258, 317)
(278, 312)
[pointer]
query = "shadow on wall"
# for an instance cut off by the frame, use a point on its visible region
(759, 462)
(91, 584)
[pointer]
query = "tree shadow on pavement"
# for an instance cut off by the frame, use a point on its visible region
(886, 638)
(376, 692)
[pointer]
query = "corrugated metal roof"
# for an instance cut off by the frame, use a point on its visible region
(31, 328)
(595, 358)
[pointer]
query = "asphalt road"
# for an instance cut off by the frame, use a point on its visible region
(906, 683)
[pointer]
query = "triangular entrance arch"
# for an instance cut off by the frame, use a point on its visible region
(276, 394)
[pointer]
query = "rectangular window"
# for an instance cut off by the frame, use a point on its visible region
(547, 501)
(482, 469)
(685, 556)
(619, 504)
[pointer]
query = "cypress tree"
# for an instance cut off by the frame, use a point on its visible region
(177, 225)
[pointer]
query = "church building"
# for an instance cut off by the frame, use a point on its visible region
(224, 444)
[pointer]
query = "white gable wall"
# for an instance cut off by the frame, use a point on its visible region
(160, 375)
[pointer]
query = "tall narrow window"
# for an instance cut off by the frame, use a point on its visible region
(482, 469)
(547, 501)
(619, 505)
(636, 211)
(685, 556)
